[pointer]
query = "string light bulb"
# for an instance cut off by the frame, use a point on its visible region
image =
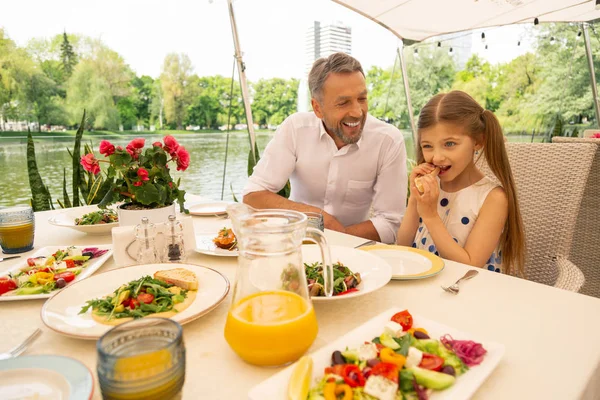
(536, 21)
(439, 44)
(483, 36)
(552, 40)
(486, 46)
(578, 35)
(450, 51)
(416, 53)
(519, 43)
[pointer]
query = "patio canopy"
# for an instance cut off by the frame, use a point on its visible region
(418, 20)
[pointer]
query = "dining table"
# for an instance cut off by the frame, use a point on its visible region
(551, 336)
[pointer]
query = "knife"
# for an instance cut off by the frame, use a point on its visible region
(8, 258)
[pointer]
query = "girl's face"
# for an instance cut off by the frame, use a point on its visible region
(446, 146)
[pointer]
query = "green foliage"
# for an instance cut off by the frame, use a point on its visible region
(75, 156)
(176, 71)
(67, 56)
(274, 100)
(40, 196)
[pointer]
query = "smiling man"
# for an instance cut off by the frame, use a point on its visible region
(341, 161)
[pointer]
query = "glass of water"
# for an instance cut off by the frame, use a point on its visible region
(142, 359)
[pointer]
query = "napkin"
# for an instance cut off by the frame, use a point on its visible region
(125, 246)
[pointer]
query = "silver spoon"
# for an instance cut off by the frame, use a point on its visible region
(454, 288)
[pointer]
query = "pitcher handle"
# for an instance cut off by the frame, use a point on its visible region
(319, 238)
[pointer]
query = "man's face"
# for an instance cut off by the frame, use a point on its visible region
(343, 106)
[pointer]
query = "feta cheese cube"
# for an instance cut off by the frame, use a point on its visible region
(74, 251)
(414, 357)
(393, 328)
(381, 388)
(367, 351)
(61, 265)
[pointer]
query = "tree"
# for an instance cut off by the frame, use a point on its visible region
(176, 71)
(274, 100)
(143, 87)
(67, 56)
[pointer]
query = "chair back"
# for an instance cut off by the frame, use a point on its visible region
(550, 181)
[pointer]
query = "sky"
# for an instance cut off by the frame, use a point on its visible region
(272, 32)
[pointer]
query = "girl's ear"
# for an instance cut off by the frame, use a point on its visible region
(479, 141)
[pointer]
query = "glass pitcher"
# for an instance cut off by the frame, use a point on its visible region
(271, 320)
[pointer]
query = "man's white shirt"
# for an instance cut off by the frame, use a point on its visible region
(346, 183)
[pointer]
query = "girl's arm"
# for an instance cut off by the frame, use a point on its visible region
(483, 238)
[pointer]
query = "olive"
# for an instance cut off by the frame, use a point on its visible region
(61, 283)
(448, 370)
(337, 358)
(373, 362)
(88, 253)
(420, 335)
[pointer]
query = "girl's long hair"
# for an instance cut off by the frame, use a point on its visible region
(459, 108)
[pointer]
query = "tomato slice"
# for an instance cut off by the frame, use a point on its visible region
(67, 276)
(145, 298)
(432, 362)
(353, 376)
(403, 318)
(347, 291)
(70, 263)
(133, 304)
(6, 285)
(31, 262)
(387, 370)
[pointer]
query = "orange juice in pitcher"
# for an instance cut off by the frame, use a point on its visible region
(271, 328)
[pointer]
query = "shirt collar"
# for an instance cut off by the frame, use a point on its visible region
(322, 132)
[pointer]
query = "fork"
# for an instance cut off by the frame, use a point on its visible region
(454, 288)
(22, 347)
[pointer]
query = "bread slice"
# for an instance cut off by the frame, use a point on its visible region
(418, 182)
(181, 277)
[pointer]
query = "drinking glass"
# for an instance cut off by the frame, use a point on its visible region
(142, 359)
(17, 226)
(271, 320)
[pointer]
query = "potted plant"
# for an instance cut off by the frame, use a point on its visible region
(141, 179)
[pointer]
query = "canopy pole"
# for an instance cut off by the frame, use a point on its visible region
(411, 117)
(590, 58)
(243, 82)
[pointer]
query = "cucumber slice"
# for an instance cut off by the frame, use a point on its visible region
(388, 341)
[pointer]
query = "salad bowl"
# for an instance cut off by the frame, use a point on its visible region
(67, 218)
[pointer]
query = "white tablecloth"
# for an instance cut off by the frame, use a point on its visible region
(552, 337)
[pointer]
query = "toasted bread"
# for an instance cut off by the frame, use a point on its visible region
(418, 182)
(181, 277)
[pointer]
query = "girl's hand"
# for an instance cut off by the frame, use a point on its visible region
(427, 202)
(420, 170)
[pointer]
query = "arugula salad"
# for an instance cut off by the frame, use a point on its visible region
(403, 363)
(98, 217)
(344, 280)
(47, 273)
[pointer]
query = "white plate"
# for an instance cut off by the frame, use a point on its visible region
(45, 377)
(275, 388)
(408, 263)
(61, 312)
(205, 245)
(92, 267)
(67, 219)
(374, 271)
(209, 209)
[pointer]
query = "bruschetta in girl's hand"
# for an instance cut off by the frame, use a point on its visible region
(418, 182)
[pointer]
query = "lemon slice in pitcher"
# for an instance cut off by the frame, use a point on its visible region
(300, 379)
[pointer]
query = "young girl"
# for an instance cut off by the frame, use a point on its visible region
(461, 214)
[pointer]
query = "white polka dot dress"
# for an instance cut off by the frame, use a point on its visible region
(459, 211)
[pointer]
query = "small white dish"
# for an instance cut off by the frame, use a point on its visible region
(67, 219)
(205, 245)
(209, 209)
(408, 263)
(93, 265)
(275, 388)
(45, 377)
(61, 312)
(374, 271)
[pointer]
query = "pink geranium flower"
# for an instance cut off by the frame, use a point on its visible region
(183, 159)
(157, 144)
(90, 163)
(134, 148)
(106, 148)
(171, 145)
(596, 136)
(143, 174)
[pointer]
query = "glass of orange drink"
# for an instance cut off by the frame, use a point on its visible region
(17, 226)
(271, 320)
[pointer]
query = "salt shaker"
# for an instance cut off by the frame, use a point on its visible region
(174, 250)
(145, 235)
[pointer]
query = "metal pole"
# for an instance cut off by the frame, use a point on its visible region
(411, 117)
(243, 82)
(588, 52)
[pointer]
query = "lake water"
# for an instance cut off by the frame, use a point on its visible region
(203, 177)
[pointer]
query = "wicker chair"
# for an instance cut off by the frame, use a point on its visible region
(550, 182)
(585, 251)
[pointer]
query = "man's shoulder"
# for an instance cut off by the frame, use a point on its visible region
(377, 127)
(303, 120)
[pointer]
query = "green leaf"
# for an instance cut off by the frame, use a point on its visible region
(67, 201)
(77, 168)
(251, 162)
(41, 200)
(286, 190)
(110, 196)
(107, 186)
(146, 194)
(233, 193)
(121, 158)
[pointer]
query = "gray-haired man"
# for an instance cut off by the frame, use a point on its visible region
(340, 161)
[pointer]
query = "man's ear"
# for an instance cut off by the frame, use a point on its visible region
(316, 108)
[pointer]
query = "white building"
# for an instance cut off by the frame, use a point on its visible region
(323, 40)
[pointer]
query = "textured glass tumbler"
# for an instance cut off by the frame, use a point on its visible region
(17, 227)
(142, 359)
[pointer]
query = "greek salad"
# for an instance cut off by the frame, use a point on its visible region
(402, 363)
(45, 274)
(98, 217)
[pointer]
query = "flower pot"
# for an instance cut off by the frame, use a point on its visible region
(134, 217)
